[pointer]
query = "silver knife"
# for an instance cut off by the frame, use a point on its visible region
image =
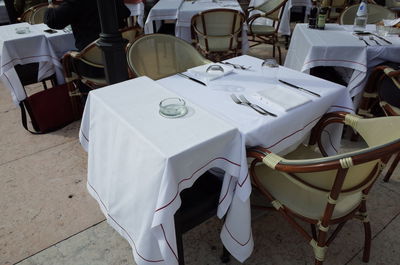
(191, 78)
(382, 38)
(300, 88)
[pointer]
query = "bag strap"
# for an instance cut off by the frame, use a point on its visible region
(24, 119)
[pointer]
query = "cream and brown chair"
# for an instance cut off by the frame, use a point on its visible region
(75, 62)
(261, 33)
(216, 33)
(159, 55)
(336, 7)
(34, 15)
(327, 191)
(375, 14)
(381, 97)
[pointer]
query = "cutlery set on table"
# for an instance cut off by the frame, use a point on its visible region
(242, 100)
(373, 39)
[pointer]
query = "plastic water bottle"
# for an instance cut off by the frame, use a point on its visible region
(360, 21)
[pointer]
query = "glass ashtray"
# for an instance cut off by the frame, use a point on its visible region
(215, 69)
(22, 30)
(173, 108)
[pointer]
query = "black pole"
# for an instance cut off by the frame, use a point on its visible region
(111, 42)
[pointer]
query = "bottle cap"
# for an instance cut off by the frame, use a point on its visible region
(362, 9)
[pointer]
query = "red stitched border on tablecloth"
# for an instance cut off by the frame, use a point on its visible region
(15, 59)
(227, 191)
(173, 252)
(237, 241)
(123, 228)
(177, 191)
(333, 60)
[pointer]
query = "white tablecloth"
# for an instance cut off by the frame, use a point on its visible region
(183, 11)
(163, 10)
(284, 27)
(35, 46)
(188, 9)
(137, 10)
(139, 161)
(337, 46)
(3, 13)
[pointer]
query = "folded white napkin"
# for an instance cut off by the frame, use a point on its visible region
(200, 72)
(391, 22)
(285, 98)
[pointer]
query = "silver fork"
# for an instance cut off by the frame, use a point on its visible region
(238, 101)
(243, 99)
(237, 66)
(372, 38)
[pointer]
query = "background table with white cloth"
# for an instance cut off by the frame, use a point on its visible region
(138, 11)
(284, 26)
(163, 10)
(139, 161)
(188, 9)
(32, 47)
(3, 13)
(338, 46)
(183, 11)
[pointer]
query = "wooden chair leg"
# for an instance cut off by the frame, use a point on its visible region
(318, 262)
(279, 55)
(367, 241)
(313, 231)
(392, 167)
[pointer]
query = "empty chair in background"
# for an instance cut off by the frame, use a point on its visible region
(160, 55)
(217, 33)
(265, 34)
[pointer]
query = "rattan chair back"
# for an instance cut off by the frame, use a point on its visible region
(325, 191)
(159, 55)
(218, 31)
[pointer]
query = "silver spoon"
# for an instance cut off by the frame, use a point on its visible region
(372, 38)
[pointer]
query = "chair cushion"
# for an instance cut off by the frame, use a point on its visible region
(262, 29)
(306, 202)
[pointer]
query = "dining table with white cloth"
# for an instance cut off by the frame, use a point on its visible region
(137, 10)
(183, 11)
(3, 13)
(33, 46)
(140, 161)
(284, 26)
(162, 10)
(338, 46)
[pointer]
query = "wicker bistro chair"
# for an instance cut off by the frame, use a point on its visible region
(260, 34)
(216, 33)
(336, 7)
(91, 55)
(375, 14)
(34, 15)
(327, 191)
(159, 55)
(382, 91)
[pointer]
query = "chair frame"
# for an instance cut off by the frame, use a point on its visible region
(371, 98)
(27, 15)
(321, 240)
(196, 32)
(67, 63)
(134, 73)
(272, 38)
